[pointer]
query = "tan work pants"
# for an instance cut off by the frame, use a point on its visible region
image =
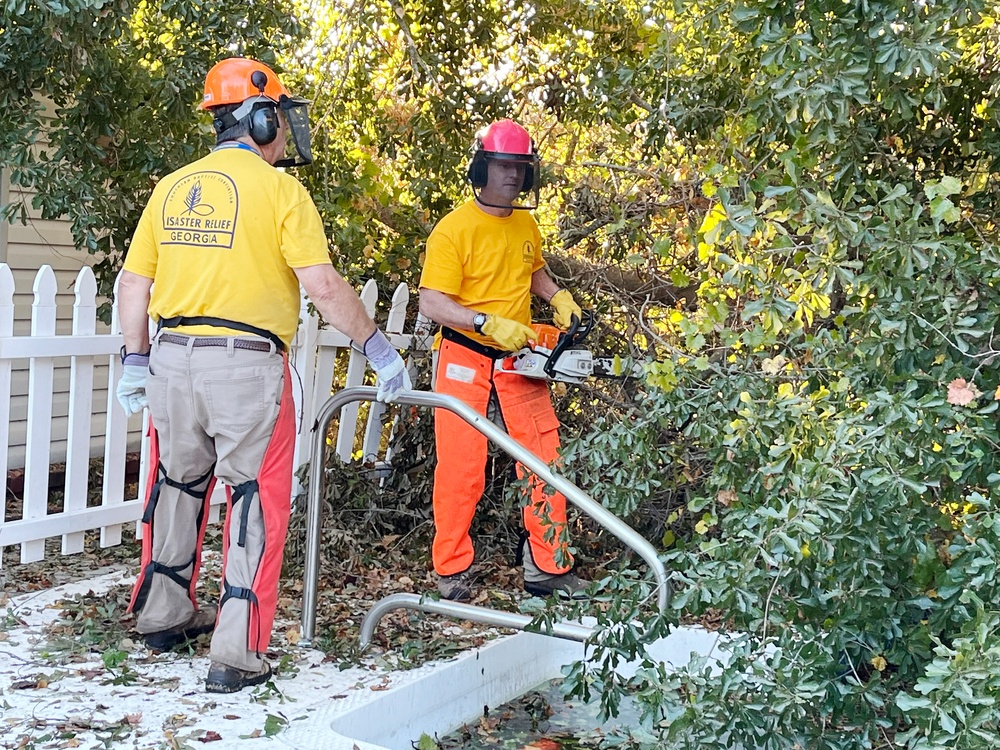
(227, 412)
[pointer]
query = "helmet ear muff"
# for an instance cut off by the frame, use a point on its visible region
(477, 168)
(264, 125)
(529, 176)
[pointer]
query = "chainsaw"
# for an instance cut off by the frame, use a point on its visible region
(559, 355)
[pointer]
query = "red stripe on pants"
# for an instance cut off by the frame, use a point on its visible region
(275, 487)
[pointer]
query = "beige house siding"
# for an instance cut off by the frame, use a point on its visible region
(26, 248)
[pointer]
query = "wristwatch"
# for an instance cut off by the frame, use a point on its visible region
(478, 322)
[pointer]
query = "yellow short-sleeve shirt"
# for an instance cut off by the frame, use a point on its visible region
(220, 238)
(484, 262)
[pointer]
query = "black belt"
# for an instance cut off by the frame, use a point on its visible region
(487, 351)
(205, 320)
(175, 338)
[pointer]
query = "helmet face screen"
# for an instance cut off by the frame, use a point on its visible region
(297, 115)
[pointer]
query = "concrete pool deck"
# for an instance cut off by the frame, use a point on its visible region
(313, 705)
(44, 704)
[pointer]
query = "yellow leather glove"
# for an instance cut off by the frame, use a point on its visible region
(509, 334)
(565, 308)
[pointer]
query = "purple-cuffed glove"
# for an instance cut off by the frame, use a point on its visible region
(390, 370)
(131, 390)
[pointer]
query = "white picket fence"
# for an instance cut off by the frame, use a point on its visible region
(314, 355)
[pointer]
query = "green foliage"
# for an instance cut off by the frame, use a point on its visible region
(98, 103)
(836, 449)
(789, 208)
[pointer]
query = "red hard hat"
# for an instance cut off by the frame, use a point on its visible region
(233, 81)
(506, 137)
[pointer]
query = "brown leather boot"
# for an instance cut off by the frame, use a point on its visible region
(456, 588)
(225, 679)
(202, 621)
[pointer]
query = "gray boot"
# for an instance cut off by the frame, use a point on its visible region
(539, 583)
(457, 588)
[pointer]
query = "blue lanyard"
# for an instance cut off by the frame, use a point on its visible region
(236, 144)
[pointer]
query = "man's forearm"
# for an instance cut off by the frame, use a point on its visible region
(336, 301)
(445, 311)
(344, 310)
(542, 285)
(133, 311)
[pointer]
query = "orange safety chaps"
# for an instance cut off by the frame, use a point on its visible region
(460, 475)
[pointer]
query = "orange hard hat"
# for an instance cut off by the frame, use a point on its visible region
(236, 79)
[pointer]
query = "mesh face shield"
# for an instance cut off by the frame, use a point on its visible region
(296, 113)
(478, 176)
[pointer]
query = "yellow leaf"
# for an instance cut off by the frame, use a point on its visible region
(711, 225)
(701, 527)
(804, 550)
(785, 390)
(878, 662)
(773, 366)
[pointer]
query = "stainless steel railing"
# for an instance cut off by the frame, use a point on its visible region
(574, 494)
(568, 630)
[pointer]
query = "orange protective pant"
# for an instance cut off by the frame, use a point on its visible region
(460, 475)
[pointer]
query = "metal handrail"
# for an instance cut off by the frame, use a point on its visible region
(574, 494)
(570, 631)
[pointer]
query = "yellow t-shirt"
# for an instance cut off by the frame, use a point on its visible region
(485, 262)
(220, 238)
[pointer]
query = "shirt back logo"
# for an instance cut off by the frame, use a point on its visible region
(200, 211)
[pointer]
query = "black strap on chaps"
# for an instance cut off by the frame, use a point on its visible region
(185, 487)
(244, 492)
(237, 592)
(170, 571)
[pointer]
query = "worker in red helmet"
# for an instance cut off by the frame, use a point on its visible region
(483, 263)
(227, 241)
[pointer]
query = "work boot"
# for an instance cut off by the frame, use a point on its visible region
(539, 583)
(457, 587)
(223, 678)
(564, 584)
(202, 621)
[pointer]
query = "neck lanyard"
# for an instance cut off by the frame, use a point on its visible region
(236, 144)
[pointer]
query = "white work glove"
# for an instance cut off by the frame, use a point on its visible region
(131, 389)
(390, 370)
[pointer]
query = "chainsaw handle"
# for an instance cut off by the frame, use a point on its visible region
(578, 331)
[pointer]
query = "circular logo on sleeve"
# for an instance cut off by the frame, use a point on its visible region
(528, 251)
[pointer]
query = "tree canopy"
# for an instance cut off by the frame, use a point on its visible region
(786, 208)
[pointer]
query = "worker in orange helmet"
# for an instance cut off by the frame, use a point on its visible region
(227, 241)
(483, 263)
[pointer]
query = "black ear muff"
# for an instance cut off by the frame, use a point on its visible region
(529, 178)
(263, 125)
(477, 169)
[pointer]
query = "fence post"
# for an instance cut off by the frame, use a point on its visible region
(372, 439)
(39, 431)
(355, 376)
(6, 330)
(81, 397)
(303, 359)
(116, 438)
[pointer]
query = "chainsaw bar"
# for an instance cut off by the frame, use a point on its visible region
(616, 367)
